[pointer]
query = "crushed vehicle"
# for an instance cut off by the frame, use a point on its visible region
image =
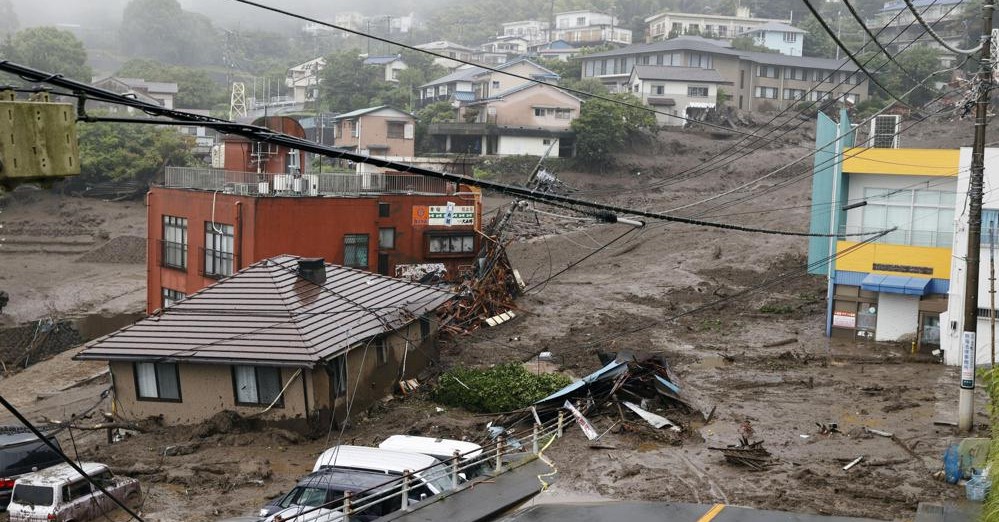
(327, 488)
(22, 453)
(429, 475)
(62, 493)
(472, 462)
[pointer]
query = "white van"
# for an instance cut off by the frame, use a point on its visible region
(440, 449)
(429, 472)
(61, 493)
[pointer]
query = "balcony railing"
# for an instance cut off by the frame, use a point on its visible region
(924, 238)
(217, 264)
(314, 184)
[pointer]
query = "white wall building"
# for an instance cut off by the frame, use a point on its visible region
(534, 31)
(669, 24)
(687, 92)
(590, 28)
(952, 321)
(783, 38)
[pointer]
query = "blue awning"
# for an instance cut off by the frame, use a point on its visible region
(895, 284)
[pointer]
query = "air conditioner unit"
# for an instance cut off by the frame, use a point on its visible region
(884, 131)
(310, 184)
(283, 182)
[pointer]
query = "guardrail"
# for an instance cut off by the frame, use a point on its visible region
(496, 456)
(307, 184)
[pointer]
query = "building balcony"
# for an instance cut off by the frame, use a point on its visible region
(310, 184)
(492, 129)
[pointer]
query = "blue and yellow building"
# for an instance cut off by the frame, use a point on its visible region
(894, 288)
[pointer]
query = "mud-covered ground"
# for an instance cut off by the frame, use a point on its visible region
(672, 289)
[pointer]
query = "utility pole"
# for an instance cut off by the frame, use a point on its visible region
(966, 404)
(992, 290)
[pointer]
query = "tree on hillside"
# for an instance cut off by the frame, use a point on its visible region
(817, 42)
(919, 61)
(605, 127)
(162, 31)
(49, 49)
(8, 18)
(195, 88)
(113, 151)
(748, 43)
(345, 84)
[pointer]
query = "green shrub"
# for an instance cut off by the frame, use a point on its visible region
(990, 511)
(501, 388)
(779, 309)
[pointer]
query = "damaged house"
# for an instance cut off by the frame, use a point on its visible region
(286, 339)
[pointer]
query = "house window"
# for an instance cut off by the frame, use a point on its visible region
(218, 250)
(658, 89)
(794, 94)
(171, 297)
(676, 28)
(562, 114)
(386, 238)
(337, 370)
(382, 350)
(795, 73)
(355, 250)
(766, 92)
(156, 382)
(697, 92)
(819, 95)
(723, 31)
(384, 209)
(396, 129)
(766, 71)
(174, 250)
(923, 217)
(699, 60)
(496, 84)
(441, 244)
(580, 20)
(443, 90)
(424, 327)
(257, 385)
(790, 37)
(539, 112)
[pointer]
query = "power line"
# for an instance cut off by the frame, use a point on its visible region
(849, 54)
(912, 9)
(270, 136)
(485, 67)
(856, 16)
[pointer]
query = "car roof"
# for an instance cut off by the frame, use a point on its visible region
(59, 474)
(431, 446)
(352, 480)
(363, 457)
(11, 439)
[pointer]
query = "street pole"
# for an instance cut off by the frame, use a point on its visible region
(992, 291)
(966, 403)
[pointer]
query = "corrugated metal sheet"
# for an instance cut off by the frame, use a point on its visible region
(267, 314)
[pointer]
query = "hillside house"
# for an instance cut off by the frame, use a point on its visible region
(392, 65)
(586, 28)
(783, 38)
(382, 131)
(287, 339)
(687, 92)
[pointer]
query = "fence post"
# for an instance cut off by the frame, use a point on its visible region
(499, 454)
(405, 489)
(534, 438)
(347, 511)
(561, 418)
(454, 468)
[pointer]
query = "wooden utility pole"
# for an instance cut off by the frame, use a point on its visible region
(992, 290)
(966, 404)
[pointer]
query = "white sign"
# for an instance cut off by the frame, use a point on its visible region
(459, 215)
(968, 361)
(583, 423)
(449, 213)
(844, 319)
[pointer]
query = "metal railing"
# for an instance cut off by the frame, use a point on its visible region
(216, 264)
(308, 184)
(173, 255)
(924, 238)
(461, 471)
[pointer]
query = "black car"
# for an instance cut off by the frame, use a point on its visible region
(22, 453)
(327, 488)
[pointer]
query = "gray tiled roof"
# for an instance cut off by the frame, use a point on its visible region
(705, 45)
(266, 314)
(679, 74)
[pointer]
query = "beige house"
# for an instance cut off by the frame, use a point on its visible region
(159, 93)
(759, 80)
(381, 131)
(528, 119)
(287, 339)
(391, 65)
(446, 48)
(676, 91)
(303, 80)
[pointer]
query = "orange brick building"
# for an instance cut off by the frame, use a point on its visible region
(206, 224)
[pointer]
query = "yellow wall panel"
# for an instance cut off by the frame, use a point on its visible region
(863, 259)
(908, 162)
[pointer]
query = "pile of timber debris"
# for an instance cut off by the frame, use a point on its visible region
(486, 297)
(749, 454)
(626, 392)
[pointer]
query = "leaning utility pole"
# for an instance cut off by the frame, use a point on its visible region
(966, 404)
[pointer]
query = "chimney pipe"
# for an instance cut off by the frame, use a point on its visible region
(312, 269)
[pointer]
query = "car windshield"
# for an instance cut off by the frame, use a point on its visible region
(304, 496)
(438, 478)
(32, 495)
